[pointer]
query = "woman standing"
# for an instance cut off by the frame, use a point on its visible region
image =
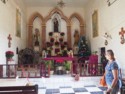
(111, 75)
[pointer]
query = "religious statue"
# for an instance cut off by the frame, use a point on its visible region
(36, 37)
(36, 40)
(56, 24)
(76, 38)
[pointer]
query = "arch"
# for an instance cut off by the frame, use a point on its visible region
(30, 27)
(78, 17)
(82, 32)
(57, 10)
(34, 16)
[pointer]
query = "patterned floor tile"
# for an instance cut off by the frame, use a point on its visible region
(51, 91)
(66, 90)
(80, 90)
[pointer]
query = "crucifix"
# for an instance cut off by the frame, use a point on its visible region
(9, 39)
(121, 33)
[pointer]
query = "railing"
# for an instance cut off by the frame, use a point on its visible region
(40, 70)
(22, 71)
(88, 69)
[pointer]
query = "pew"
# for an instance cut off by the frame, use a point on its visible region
(19, 89)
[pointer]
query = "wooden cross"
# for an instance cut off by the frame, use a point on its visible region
(9, 39)
(121, 33)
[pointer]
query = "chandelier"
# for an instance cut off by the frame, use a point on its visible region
(61, 3)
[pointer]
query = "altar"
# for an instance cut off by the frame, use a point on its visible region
(61, 61)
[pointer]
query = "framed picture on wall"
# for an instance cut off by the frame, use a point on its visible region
(95, 24)
(18, 23)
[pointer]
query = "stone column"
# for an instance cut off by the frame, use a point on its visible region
(30, 36)
(43, 36)
(69, 36)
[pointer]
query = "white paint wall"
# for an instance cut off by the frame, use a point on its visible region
(110, 20)
(8, 26)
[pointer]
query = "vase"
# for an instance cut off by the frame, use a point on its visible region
(9, 59)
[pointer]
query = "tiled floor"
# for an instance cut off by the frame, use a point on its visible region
(71, 90)
(60, 84)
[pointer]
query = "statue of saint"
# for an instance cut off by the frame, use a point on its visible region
(56, 24)
(76, 38)
(36, 37)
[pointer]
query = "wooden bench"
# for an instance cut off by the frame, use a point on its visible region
(19, 89)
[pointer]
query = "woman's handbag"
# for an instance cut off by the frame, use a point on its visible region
(102, 81)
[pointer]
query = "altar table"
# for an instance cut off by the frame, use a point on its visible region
(61, 59)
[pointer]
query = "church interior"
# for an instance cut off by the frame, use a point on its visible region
(59, 46)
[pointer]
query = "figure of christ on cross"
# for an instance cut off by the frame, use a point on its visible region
(9, 39)
(121, 33)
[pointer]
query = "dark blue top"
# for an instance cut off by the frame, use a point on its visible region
(109, 75)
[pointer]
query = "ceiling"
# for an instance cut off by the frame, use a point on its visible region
(53, 3)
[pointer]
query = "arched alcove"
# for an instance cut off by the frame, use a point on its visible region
(58, 11)
(76, 15)
(30, 28)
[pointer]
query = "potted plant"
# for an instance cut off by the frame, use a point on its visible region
(62, 33)
(47, 68)
(52, 40)
(56, 43)
(62, 46)
(67, 67)
(50, 33)
(51, 68)
(61, 39)
(9, 55)
(65, 43)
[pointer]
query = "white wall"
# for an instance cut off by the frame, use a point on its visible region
(8, 26)
(110, 20)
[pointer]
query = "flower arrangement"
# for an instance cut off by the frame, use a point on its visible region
(62, 33)
(9, 54)
(52, 40)
(50, 33)
(61, 39)
(56, 43)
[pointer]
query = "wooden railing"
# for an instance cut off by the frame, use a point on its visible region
(40, 70)
(24, 71)
(88, 69)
